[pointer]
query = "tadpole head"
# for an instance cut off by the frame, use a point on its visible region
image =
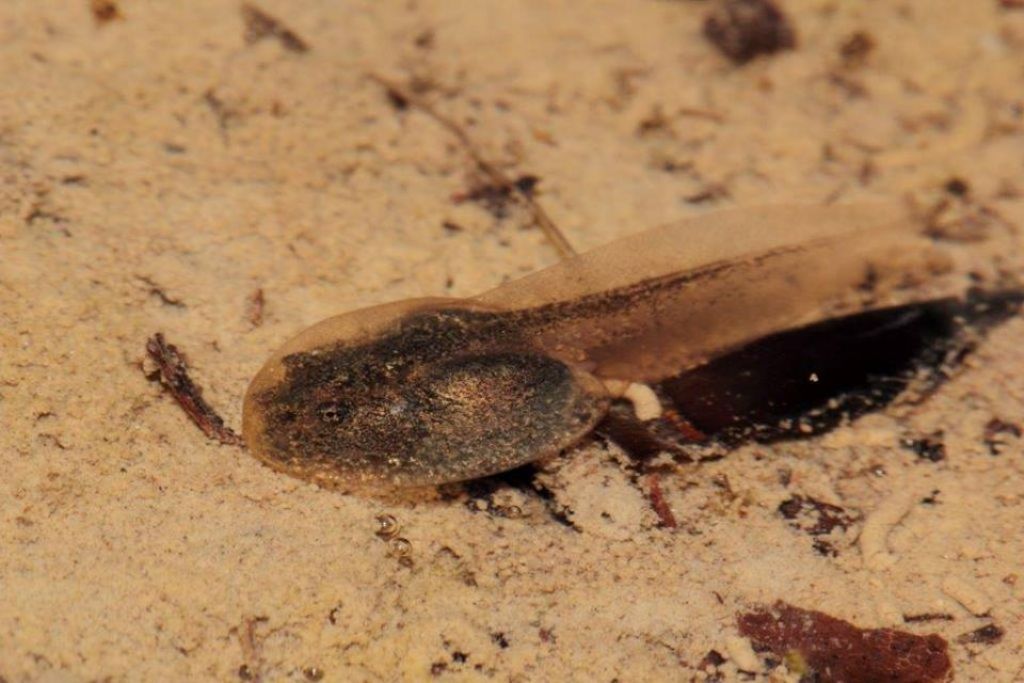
(415, 395)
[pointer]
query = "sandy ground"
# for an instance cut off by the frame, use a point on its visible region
(156, 170)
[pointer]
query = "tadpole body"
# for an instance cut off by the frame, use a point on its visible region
(439, 390)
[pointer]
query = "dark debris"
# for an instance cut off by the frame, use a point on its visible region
(708, 194)
(712, 659)
(989, 634)
(815, 518)
(172, 373)
(497, 198)
(957, 218)
(105, 11)
(856, 49)
(958, 187)
(157, 290)
(996, 433)
(255, 304)
(745, 29)
(930, 448)
(260, 25)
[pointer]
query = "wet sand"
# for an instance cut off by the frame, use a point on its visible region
(160, 163)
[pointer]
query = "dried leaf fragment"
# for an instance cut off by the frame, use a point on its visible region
(836, 650)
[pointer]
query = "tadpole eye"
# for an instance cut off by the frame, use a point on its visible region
(332, 412)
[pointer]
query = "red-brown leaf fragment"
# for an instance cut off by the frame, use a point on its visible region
(660, 505)
(836, 650)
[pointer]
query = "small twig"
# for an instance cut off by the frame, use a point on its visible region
(172, 371)
(256, 302)
(699, 113)
(709, 193)
(260, 25)
(251, 670)
(684, 426)
(928, 616)
(159, 292)
(497, 177)
(221, 112)
(658, 502)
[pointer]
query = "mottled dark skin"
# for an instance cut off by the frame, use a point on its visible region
(443, 396)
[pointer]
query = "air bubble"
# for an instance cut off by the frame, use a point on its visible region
(400, 547)
(387, 526)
